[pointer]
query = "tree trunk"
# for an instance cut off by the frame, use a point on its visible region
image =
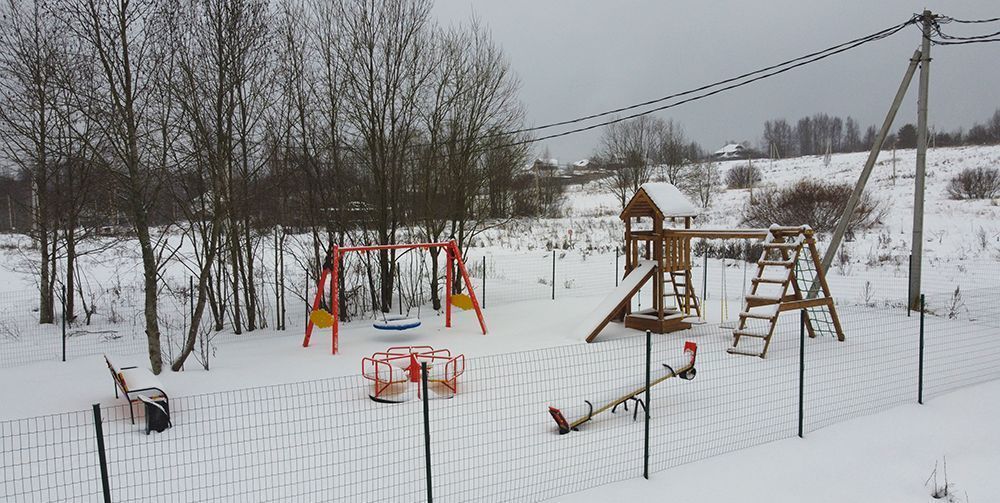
(249, 283)
(435, 296)
(204, 283)
(385, 270)
(45, 300)
(150, 291)
(234, 265)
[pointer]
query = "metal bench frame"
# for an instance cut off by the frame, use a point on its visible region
(123, 386)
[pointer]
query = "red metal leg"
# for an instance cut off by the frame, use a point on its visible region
(468, 286)
(334, 298)
(447, 288)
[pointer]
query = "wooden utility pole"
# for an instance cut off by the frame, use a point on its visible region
(917, 246)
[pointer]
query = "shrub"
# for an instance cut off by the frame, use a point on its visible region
(743, 176)
(812, 202)
(975, 183)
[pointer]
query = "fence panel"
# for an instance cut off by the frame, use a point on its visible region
(495, 441)
(49, 458)
(961, 331)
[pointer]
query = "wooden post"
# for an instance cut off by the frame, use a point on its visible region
(658, 257)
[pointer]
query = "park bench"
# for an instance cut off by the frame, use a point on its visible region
(136, 382)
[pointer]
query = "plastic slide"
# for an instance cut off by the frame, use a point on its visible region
(604, 312)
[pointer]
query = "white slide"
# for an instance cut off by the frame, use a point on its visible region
(605, 311)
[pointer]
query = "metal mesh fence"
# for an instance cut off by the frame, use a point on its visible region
(960, 347)
(320, 440)
(49, 458)
(494, 441)
(118, 327)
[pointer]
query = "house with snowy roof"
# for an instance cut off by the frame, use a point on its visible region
(731, 151)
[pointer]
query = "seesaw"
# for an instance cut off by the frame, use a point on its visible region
(682, 367)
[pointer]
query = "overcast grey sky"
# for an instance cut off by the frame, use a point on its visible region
(580, 57)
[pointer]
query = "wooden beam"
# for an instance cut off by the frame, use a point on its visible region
(718, 233)
(802, 304)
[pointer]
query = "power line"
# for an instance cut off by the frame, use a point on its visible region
(734, 82)
(947, 39)
(973, 21)
(801, 62)
(866, 38)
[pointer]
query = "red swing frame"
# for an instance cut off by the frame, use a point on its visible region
(331, 271)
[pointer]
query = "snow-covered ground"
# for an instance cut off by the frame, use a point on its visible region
(498, 441)
(886, 457)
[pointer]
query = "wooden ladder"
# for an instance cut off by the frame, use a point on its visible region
(684, 295)
(769, 288)
(789, 258)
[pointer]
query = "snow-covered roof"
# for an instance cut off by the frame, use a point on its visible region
(731, 148)
(669, 200)
(582, 163)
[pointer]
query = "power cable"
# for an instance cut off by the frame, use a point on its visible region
(867, 38)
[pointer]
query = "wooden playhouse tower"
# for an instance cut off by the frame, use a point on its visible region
(658, 238)
(655, 208)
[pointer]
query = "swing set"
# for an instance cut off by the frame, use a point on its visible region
(323, 319)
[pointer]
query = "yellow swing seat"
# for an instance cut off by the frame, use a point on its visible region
(461, 301)
(321, 318)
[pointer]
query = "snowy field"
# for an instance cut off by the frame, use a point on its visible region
(888, 457)
(273, 420)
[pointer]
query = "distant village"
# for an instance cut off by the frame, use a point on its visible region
(586, 169)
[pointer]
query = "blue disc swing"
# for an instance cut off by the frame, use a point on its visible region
(400, 322)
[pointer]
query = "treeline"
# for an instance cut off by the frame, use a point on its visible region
(633, 151)
(820, 134)
(228, 122)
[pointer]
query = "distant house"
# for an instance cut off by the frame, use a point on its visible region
(545, 165)
(731, 151)
(581, 164)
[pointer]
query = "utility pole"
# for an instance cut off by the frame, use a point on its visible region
(917, 246)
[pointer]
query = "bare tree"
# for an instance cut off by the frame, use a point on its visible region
(702, 182)
(485, 105)
(120, 35)
(628, 150)
(779, 137)
(673, 152)
(385, 44)
(30, 63)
